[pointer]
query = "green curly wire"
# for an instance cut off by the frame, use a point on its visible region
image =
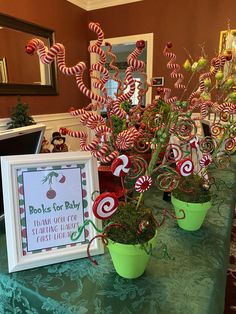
(76, 234)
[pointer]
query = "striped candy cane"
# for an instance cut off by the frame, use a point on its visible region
(174, 66)
(47, 56)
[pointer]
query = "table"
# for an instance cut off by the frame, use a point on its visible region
(186, 274)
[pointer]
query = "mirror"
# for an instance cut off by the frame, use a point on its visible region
(20, 73)
(122, 47)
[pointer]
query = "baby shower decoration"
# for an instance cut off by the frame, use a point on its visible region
(160, 146)
(46, 217)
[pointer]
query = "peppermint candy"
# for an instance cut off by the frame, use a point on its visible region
(185, 167)
(143, 184)
(105, 205)
(121, 166)
(205, 160)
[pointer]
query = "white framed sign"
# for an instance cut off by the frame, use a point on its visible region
(46, 198)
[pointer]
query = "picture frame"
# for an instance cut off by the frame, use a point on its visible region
(228, 43)
(42, 209)
(3, 70)
(223, 37)
(158, 81)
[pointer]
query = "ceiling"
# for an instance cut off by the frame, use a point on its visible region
(89, 5)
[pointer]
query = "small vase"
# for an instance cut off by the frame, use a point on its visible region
(129, 260)
(195, 213)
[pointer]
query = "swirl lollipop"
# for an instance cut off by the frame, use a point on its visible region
(105, 205)
(143, 184)
(121, 166)
(185, 167)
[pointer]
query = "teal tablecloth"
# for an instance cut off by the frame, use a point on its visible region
(191, 280)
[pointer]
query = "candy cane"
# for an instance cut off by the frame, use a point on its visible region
(78, 134)
(78, 69)
(134, 65)
(96, 48)
(94, 121)
(83, 139)
(185, 167)
(90, 119)
(117, 110)
(216, 64)
(171, 101)
(100, 83)
(90, 146)
(172, 65)
(105, 205)
(226, 106)
(102, 129)
(101, 151)
(95, 27)
(77, 112)
(86, 91)
(113, 67)
(47, 56)
(110, 157)
(121, 166)
(124, 140)
(142, 91)
(204, 109)
(127, 138)
(132, 58)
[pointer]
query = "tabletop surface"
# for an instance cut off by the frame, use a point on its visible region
(186, 274)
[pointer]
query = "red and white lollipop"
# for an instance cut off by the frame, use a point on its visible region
(105, 205)
(205, 160)
(143, 184)
(121, 166)
(185, 167)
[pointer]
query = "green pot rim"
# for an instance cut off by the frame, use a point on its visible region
(176, 200)
(126, 245)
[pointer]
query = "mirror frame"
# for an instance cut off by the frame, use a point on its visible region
(30, 89)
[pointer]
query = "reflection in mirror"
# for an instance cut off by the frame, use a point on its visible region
(122, 52)
(122, 47)
(21, 73)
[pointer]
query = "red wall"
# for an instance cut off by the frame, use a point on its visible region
(188, 24)
(70, 25)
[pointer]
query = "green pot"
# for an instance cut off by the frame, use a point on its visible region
(129, 260)
(195, 213)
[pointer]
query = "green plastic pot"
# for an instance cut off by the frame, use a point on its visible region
(195, 213)
(129, 260)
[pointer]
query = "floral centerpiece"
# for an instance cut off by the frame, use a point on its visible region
(164, 131)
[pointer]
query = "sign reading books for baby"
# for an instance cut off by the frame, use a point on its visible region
(56, 210)
(50, 196)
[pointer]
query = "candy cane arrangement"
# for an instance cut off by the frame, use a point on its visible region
(155, 125)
